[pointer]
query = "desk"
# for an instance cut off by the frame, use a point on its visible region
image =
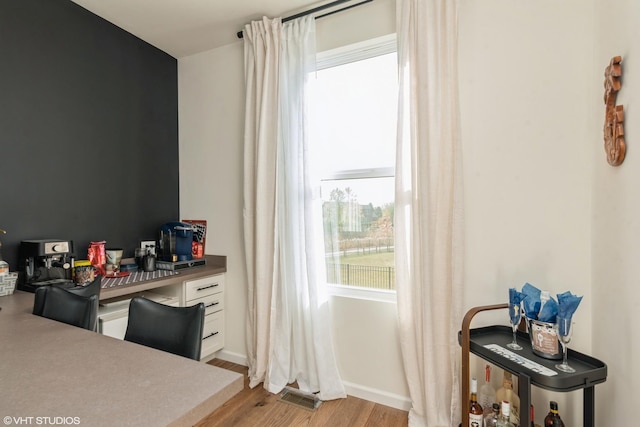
(188, 286)
(216, 264)
(50, 369)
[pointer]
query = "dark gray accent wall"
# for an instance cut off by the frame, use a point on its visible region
(88, 129)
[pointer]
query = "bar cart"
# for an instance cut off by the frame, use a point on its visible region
(489, 343)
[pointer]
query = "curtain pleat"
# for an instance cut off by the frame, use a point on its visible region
(428, 212)
(288, 325)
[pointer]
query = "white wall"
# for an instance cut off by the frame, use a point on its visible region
(211, 111)
(616, 218)
(524, 89)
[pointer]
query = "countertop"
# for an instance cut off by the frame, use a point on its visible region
(216, 264)
(50, 369)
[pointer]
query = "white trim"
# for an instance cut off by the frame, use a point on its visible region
(361, 293)
(378, 396)
(360, 173)
(240, 359)
(356, 51)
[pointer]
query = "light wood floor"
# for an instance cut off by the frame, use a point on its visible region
(257, 407)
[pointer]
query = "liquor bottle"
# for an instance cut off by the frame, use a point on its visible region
(532, 417)
(503, 420)
(487, 394)
(475, 410)
(553, 418)
(491, 420)
(506, 393)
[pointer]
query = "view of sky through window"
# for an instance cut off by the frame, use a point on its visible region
(352, 130)
(354, 116)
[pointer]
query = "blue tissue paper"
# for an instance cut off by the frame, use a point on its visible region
(567, 305)
(531, 301)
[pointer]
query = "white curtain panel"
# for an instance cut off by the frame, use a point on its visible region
(428, 212)
(303, 349)
(261, 66)
(299, 346)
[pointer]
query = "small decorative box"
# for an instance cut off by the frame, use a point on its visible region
(8, 284)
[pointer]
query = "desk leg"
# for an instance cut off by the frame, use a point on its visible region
(588, 406)
(524, 393)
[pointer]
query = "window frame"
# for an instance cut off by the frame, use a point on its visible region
(333, 58)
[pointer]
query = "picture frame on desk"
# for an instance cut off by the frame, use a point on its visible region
(199, 236)
(151, 244)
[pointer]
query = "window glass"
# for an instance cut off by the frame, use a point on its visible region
(353, 131)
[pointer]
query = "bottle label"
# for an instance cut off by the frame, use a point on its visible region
(475, 420)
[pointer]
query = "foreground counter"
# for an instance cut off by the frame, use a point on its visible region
(50, 369)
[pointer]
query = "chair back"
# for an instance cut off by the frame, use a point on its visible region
(59, 304)
(92, 288)
(176, 330)
(86, 291)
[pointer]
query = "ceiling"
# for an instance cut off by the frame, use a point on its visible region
(186, 27)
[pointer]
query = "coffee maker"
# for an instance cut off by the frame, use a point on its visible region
(45, 262)
(176, 239)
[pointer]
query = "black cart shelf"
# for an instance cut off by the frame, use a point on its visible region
(589, 371)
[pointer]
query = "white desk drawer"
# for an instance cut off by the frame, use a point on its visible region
(202, 287)
(213, 334)
(115, 327)
(212, 303)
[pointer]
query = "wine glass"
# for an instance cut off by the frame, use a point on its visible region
(564, 329)
(515, 314)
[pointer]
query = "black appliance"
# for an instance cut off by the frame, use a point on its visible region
(45, 262)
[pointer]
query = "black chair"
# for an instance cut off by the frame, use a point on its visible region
(176, 330)
(92, 288)
(59, 304)
(86, 291)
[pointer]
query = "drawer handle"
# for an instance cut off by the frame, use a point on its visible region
(208, 287)
(210, 335)
(212, 304)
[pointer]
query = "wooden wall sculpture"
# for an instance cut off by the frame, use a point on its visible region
(614, 144)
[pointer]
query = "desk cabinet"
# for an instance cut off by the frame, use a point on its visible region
(210, 291)
(185, 289)
(114, 316)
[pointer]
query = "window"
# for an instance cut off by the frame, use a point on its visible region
(353, 129)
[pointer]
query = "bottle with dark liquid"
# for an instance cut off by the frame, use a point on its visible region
(553, 418)
(476, 415)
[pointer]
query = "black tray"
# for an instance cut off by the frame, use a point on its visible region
(589, 371)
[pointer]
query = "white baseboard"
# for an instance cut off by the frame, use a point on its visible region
(378, 396)
(356, 390)
(229, 356)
